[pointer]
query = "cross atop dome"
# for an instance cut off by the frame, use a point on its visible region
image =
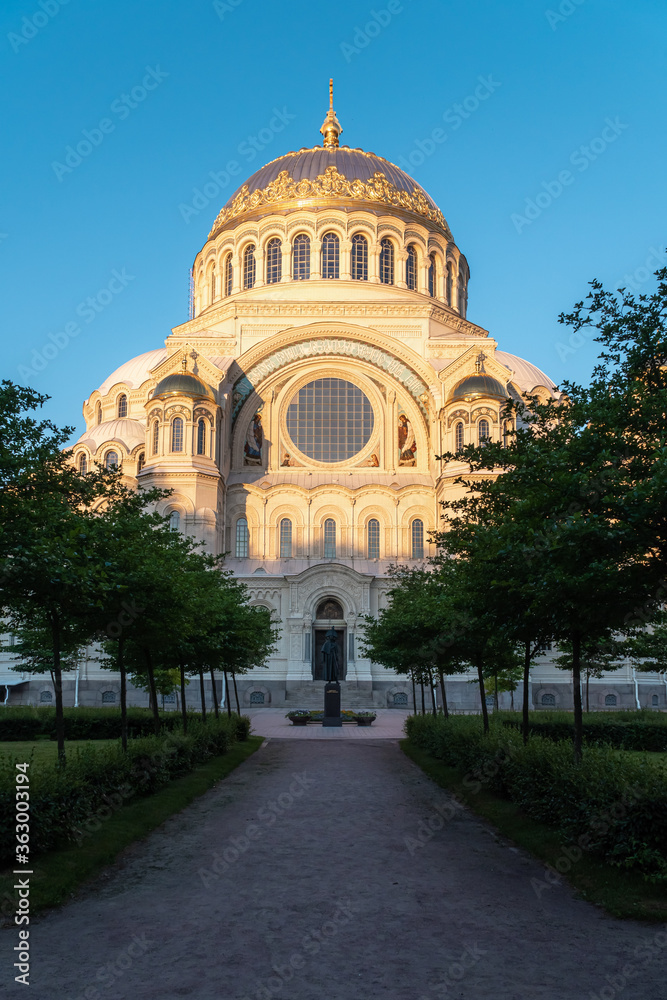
(331, 127)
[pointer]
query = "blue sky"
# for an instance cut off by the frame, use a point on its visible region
(547, 159)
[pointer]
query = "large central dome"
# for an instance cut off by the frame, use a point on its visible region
(326, 175)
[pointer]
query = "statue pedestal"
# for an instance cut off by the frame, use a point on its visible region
(332, 704)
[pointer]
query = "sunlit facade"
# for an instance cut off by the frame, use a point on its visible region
(297, 414)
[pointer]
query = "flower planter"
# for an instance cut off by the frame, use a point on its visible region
(303, 721)
(365, 722)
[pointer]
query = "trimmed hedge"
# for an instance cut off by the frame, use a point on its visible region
(609, 805)
(70, 803)
(32, 723)
(630, 735)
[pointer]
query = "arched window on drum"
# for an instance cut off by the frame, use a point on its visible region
(229, 275)
(249, 266)
(274, 261)
(301, 257)
(359, 262)
(386, 262)
(458, 436)
(411, 268)
(330, 256)
(242, 538)
(483, 432)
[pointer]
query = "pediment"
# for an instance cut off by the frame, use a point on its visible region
(466, 364)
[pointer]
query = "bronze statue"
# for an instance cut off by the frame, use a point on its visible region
(330, 661)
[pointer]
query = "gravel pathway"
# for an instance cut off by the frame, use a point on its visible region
(333, 870)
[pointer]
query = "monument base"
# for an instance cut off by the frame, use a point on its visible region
(332, 704)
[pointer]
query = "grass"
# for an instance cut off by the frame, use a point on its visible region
(621, 893)
(58, 874)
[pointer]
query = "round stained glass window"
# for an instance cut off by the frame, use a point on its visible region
(330, 420)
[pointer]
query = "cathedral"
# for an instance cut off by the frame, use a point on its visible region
(297, 414)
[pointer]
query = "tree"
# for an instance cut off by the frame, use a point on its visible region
(597, 657)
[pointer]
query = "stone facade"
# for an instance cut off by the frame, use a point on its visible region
(315, 291)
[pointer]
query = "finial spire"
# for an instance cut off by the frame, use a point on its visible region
(184, 363)
(331, 127)
(479, 363)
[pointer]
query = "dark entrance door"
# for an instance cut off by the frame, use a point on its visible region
(319, 635)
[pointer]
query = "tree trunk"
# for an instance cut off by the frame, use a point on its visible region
(482, 694)
(432, 687)
(423, 701)
(215, 694)
(236, 694)
(202, 692)
(58, 685)
(414, 692)
(445, 709)
(576, 683)
(228, 699)
(123, 693)
(495, 691)
(184, 707)
(512, 700)
(525, 724)
(152, 689)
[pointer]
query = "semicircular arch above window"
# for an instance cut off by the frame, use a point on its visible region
(331, 609)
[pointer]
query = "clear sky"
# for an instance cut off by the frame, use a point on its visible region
(538, 128)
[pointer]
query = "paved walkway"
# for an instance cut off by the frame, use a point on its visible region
(271, 722)
(325, 870)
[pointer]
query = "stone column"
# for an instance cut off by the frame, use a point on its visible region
(374, 263)
(259, 269)
(345, 260)
(423, 263)
(400, 258)
(237, 275)
(316, 258)
(286, 274)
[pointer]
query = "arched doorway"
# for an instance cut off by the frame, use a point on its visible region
(329, 615)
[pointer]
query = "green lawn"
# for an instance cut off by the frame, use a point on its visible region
(59, 874)
(621, 893)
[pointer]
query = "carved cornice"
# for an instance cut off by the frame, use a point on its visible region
(333, 186)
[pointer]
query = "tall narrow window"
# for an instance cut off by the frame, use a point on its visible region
(99, 413)
(329, 538)
(156, 436)
(122, 406)
(175, 520)
(431, 275)
(249, 266)
(286, 538)
(411, 268)
(458, 436)
(201, 436)
(450, 282)
(483, 431)
(111, 460)
(177, 434)
(212, 284)
(417, 538)
(141, 461)
(359, 257)
(274, 261)
(301, 257)
(386, 262)
(462, 295)
(83, 464)
(229, 274)
(242, 538)
(330, 256)
(373, 538)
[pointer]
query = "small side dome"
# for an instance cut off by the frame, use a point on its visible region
(183, 384)
(476, 386)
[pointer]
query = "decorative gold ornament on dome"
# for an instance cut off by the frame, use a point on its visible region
(331, 127)
(330, 185)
